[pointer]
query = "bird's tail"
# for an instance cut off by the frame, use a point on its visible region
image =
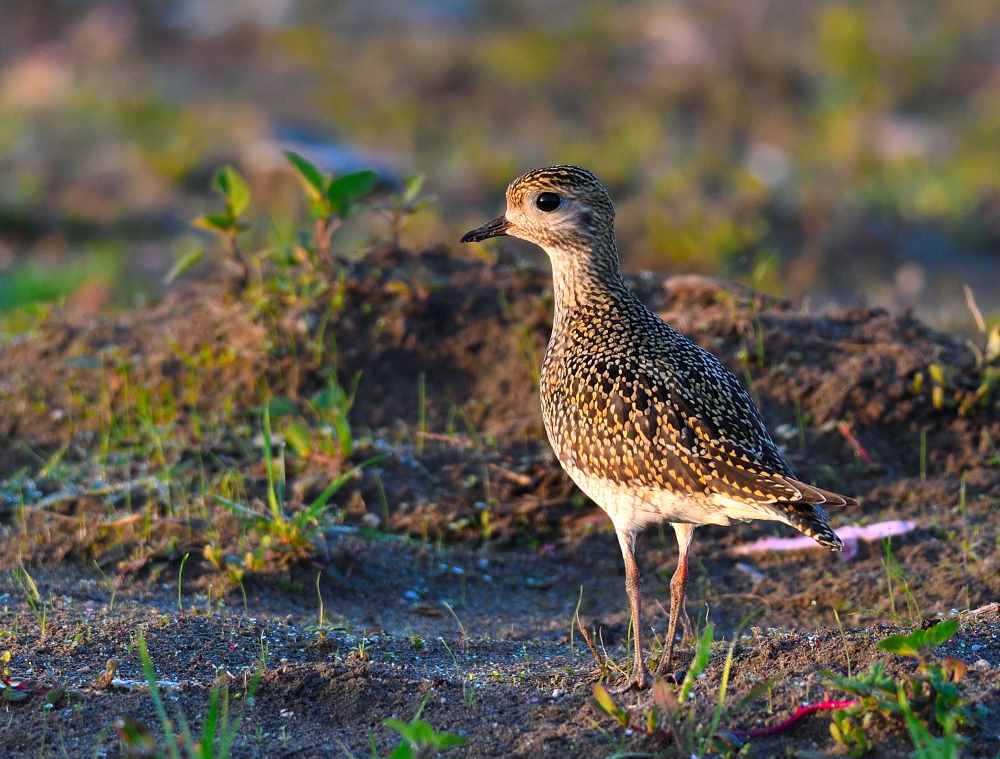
(811, 521)
(809, 517)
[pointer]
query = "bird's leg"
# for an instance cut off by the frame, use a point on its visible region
(638, 677)
(677, 586)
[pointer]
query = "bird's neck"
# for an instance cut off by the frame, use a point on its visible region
(585, 274)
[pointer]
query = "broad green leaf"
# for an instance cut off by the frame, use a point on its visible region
(422, 732)
(220, 223)
(902, 645)
(343, 191)
(183, 263)
(310, 177)
(403, 751)
(940, 633)
(403, 728)
(447, 740)
(281, 405)
(412, 187)
(234, 188)
(332, 397)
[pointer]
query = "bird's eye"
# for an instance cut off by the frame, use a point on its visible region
(547, 201)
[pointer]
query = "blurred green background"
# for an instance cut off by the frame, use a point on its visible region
(837, 152)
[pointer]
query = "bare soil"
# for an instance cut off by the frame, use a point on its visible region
(424, 598)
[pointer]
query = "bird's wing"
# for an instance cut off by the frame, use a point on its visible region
(732, 448)
(688, 429)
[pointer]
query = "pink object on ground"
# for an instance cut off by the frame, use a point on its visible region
(850, 535)
(802, 711)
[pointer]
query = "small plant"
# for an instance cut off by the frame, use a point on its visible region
(404, 204)
(227, 224)
(217, 733)
(330, 407)
(180, 584)
(672, 715)
(607, 705)
(895, 576)
(286, 537)
(38, 605)
(419, 739)
(331, 200)
(692, 734)
(932, 693)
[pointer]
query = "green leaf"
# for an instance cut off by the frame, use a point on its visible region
(344, 191)
(940, 633)
(422, 732)
(310, 177)
(183, 263)
(234, 189)
(992, 352)
(149, 672)
(608, 705)
(702, 654)
(320, 208)
(411, 188)
(903, 645)
(447, 740)
(403, 751)
(299, 437)
(281, 405)
(220, 223)
(403, 728)
(318, 506)
(272, 493)
(332, 397)
(239, 509)
(211, 725)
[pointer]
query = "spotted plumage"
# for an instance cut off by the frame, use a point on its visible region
(650, 425)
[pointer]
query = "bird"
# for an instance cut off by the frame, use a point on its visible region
(648, 424)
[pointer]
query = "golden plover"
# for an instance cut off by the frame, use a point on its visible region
(652, 427)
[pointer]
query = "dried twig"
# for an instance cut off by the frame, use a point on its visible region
(113, 488)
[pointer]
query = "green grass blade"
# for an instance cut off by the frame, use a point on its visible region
(149, 672)
(702, 654)
(720, 703)
(208, 730)
(239, 509)
(318, 506)
(272, 494)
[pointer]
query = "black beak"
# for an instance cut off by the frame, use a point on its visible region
(496, 228)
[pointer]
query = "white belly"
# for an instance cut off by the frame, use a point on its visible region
(632, 509)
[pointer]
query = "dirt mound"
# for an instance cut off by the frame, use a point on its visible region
(458, 343)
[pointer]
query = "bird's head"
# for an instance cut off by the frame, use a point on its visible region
(560, 208)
